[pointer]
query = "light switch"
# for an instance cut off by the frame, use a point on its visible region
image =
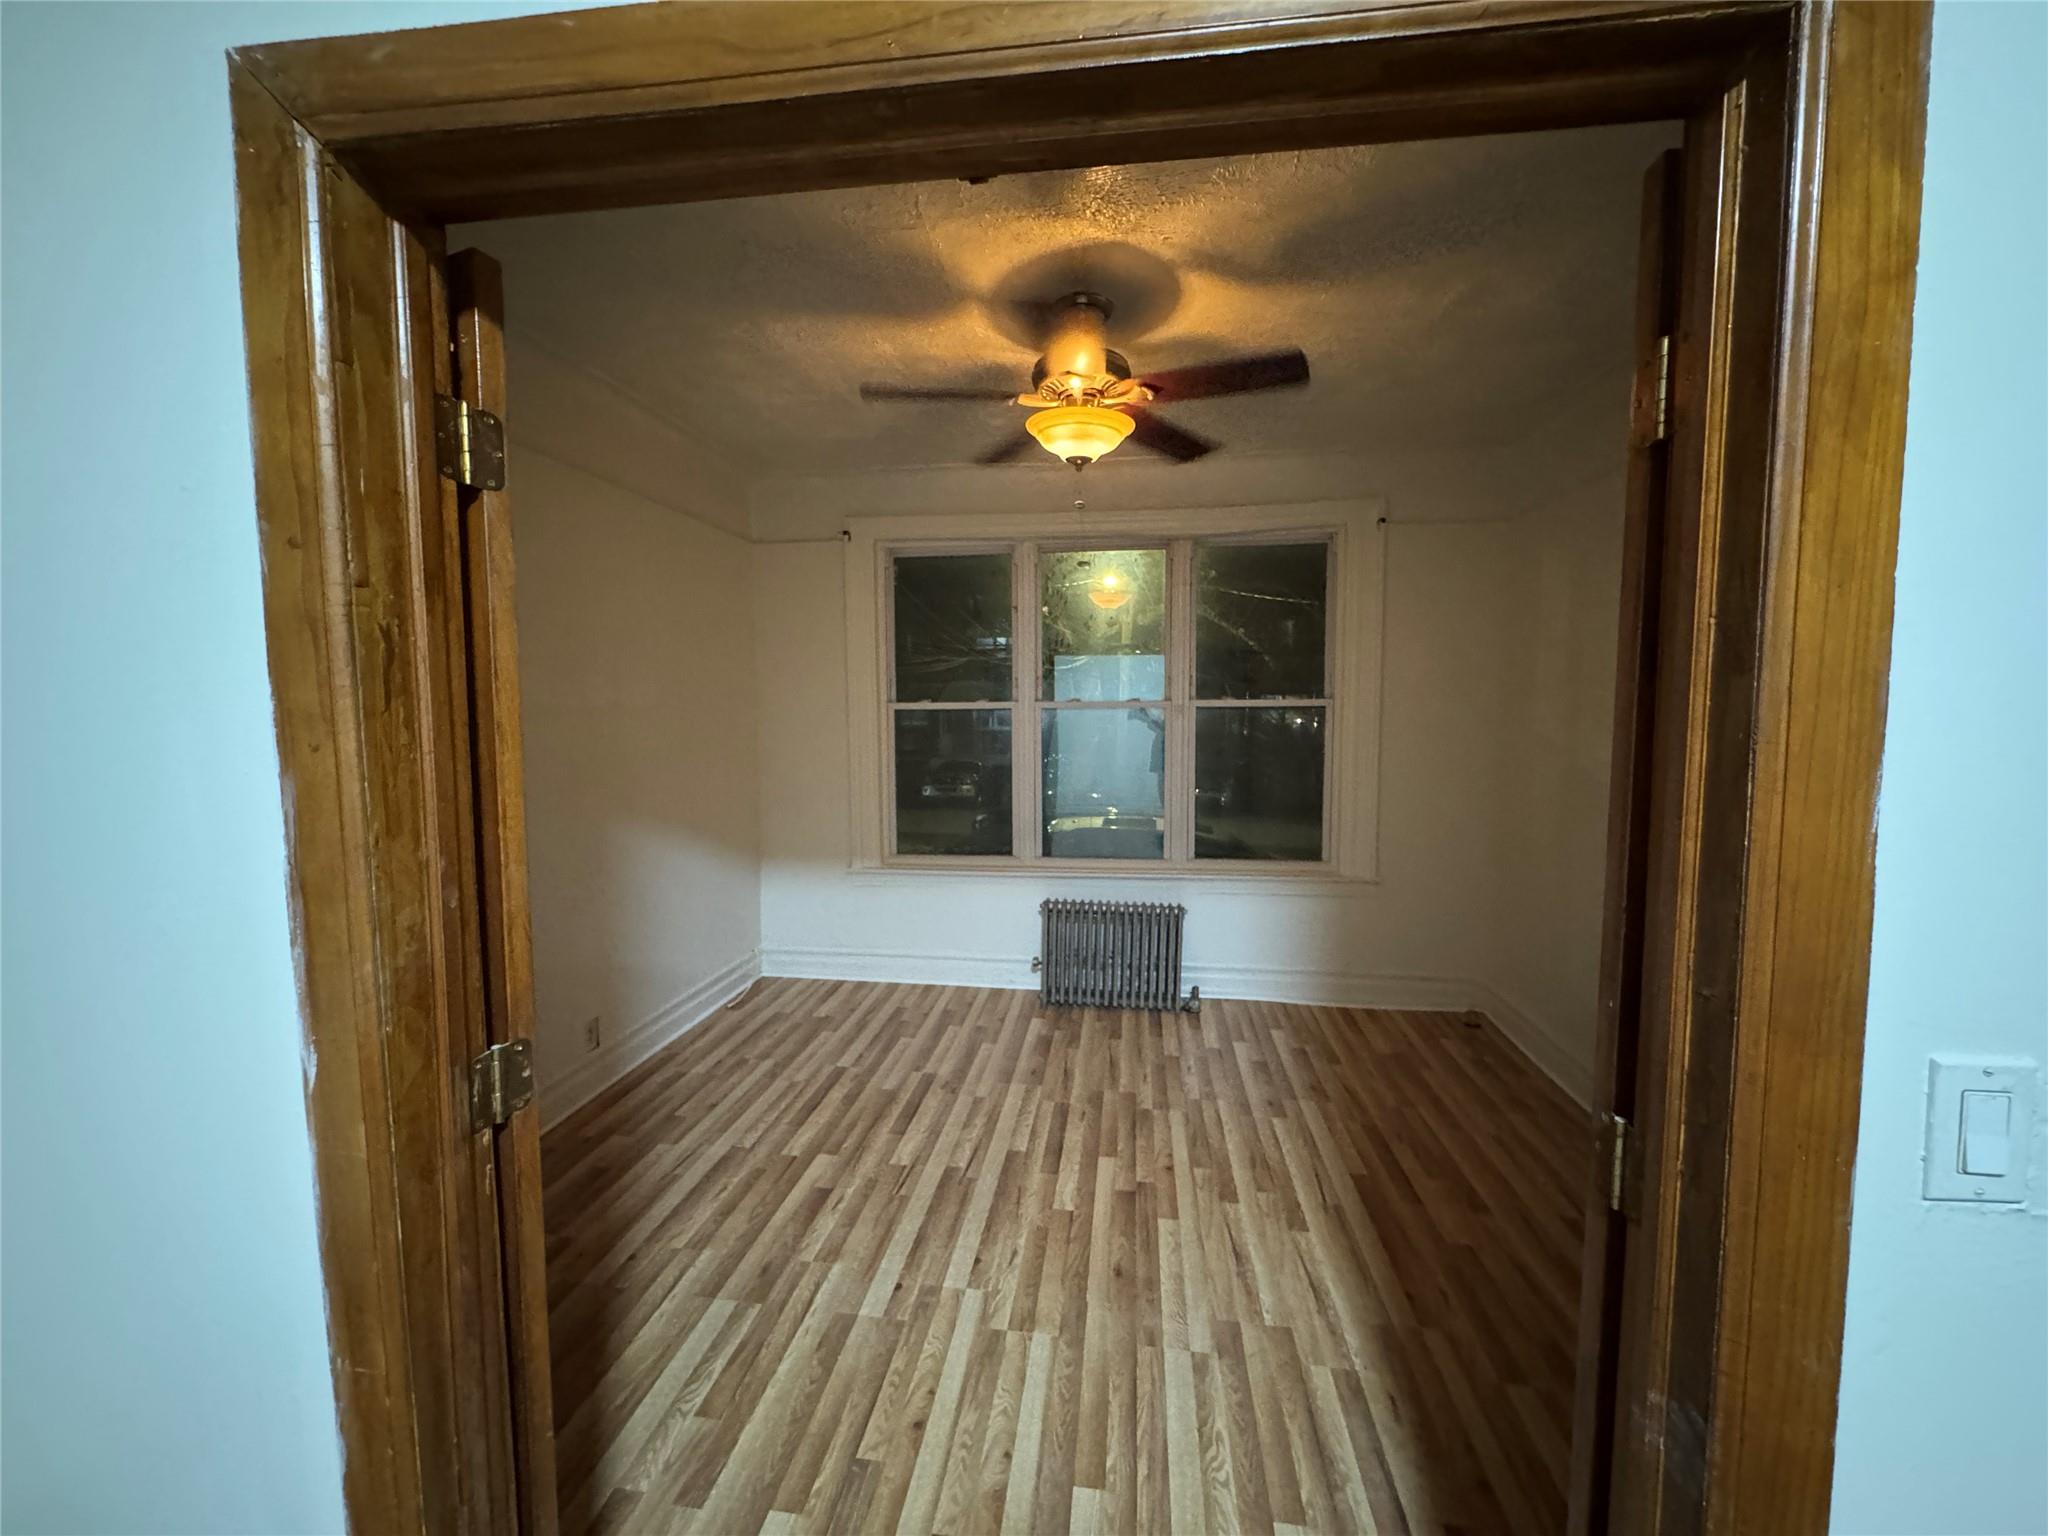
(1980, 1129)
(1987, 1134)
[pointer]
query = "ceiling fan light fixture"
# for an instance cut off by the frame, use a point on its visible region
(1079, 434)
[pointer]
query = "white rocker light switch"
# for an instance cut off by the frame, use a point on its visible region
(1980, 1125)
(1987, 1134)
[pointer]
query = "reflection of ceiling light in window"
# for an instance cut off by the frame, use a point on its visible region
(1109, 591)
(1080, 434)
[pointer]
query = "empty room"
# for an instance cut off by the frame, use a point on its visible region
(1067, 724)
(631, 905)
(1237, 765)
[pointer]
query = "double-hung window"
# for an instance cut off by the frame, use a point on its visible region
(953, 715)
(1112, 703)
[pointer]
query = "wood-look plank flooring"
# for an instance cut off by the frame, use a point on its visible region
(856, 1257)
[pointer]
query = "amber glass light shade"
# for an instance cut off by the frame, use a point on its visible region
(1079, 434)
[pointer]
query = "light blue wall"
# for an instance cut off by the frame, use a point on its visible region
(1944, 1417)
(165, 1352)
(165, 1348)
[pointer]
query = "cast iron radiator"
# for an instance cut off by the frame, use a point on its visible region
(1112, 954)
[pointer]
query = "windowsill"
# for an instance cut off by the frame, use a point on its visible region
(1268, 880)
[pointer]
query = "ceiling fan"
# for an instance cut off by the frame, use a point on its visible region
(1087, 400)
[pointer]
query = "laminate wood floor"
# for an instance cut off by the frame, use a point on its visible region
(863, 1257)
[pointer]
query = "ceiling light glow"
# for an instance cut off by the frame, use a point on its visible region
(1079, 434)
(1109, 591)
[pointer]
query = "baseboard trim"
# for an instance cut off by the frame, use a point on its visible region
(1529, 1036)
(900, 967)
(1254, 983)
(570, 1091)
(1331, 989)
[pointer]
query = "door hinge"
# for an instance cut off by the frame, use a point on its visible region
(1652, 404)
(1663, 402)
(469, 444)
(1623, 1162)
(500, 1083)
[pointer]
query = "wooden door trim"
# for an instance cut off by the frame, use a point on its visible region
(680, 58)
(1852, 255)
(608, 108)
(644, 104)
(339, 309)
(291, 390)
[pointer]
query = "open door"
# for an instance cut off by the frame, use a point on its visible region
(477, 535)
(1612, 1197)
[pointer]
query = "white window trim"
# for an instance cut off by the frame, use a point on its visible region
(1356, 630)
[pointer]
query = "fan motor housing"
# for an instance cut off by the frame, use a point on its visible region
(1051, 385)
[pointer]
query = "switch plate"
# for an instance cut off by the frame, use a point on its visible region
(1980, 1129)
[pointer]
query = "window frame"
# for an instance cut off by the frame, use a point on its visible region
(1354, 617)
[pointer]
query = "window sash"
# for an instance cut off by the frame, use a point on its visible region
(1330, 611)
(1027, 712)
(888, 629)
(1171, 598)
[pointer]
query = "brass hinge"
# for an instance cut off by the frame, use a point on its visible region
(500, 1083)
(1651, 408)
(469, 444)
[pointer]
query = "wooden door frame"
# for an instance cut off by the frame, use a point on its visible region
(1805, 142)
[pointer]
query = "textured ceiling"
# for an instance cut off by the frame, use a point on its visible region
(1450, 295)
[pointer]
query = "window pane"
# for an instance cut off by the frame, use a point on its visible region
(1259, 783)
(1105, 783)
(952, 628)
(953, 781)
(1104, 615)
(1259, 620)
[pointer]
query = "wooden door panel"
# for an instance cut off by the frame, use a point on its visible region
(1628, 841)
(477, 310)
(1659, 1451)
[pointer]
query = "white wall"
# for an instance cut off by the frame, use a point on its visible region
(1556, 678)
(817, 913)
(1489, 815)
(1944, 1407)
(636, 666)
(165, 1345)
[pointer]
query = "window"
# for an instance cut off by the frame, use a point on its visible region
(952, 703)
(1262, 705)
(1102, 712)
(1116, 703)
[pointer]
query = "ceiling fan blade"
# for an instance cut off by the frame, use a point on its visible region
(936, 392)
(1008, 449)
(1162, 436)
(1233, 376)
